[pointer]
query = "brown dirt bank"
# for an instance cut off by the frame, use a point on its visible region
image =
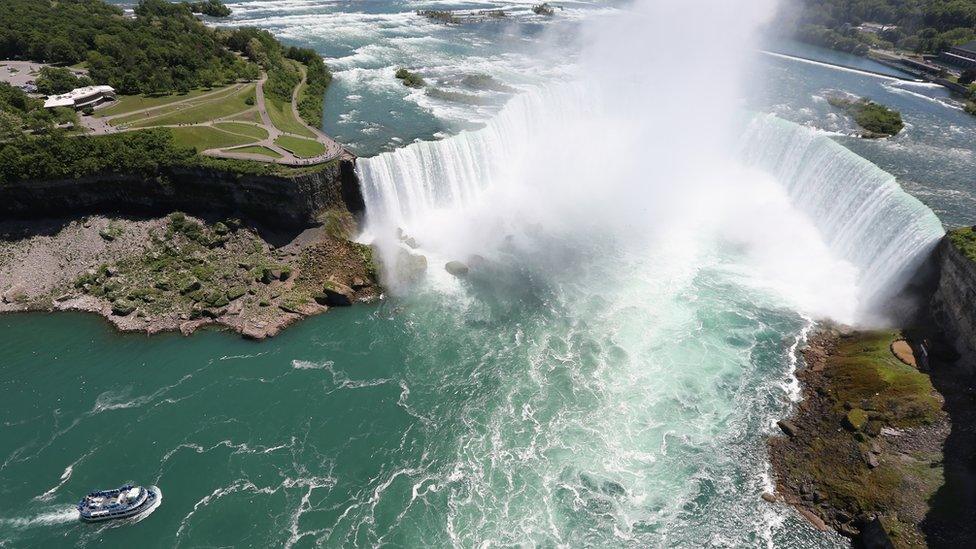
(179, 273)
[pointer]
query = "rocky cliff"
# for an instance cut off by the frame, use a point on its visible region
(954, 301)
(286, 201)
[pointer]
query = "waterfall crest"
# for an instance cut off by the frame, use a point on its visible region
(861, 213)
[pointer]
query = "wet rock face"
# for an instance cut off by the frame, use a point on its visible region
(954, 302)
(288, 202)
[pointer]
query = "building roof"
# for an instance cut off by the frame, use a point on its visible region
(968, 47)
(69, 99)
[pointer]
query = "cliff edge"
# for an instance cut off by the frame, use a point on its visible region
(954, 301)
(187, 247)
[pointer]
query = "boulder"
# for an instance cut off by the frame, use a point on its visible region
(336, 295)
(122, 308)
(14, 294)
(410, 268)
(456, 268)
(191, 286)
(855, 419)
(813, 519)
(788, 427)
(874, 536)
(768, 497)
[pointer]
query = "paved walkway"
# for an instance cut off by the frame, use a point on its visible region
(102, 125)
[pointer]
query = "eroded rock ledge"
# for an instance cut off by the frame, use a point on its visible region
(292, 255)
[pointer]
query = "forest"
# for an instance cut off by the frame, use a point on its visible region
(163, 49)
(922, 26)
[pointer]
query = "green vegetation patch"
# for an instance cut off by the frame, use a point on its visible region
(188, 268)
(964, 239)
(921, 26)
(302, 148)
(877, 120)
(245, 129)
(202, 138)
(865, 372)
(258, 149)
(128, 103)
(410, 79)
(284, 119)
(163, 49)
(195, 112)
(837, 457)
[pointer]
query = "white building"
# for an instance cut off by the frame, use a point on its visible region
(79, 98)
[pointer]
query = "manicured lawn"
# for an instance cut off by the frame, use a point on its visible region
(302, 148)
(252, 116)
(205, 137)
(258, 149)
(246, 129)
(129, 103)
(284, 119)
(202, 110)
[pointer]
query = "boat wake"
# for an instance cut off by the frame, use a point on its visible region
(49, 517)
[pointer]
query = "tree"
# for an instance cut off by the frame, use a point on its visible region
(967, 77)
(55, 80)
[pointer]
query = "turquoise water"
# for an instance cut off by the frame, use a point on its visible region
(573, 392)
(510, 412)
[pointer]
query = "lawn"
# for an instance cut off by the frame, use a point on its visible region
(284, 119)
(205, 137)
(202, 110)
(258, 149)
(302, 148)
(246, 129)
(129, 103)
(250, 116)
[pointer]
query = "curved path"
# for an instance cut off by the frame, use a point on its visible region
(332, 149)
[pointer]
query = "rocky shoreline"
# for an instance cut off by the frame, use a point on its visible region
(862, 452)
(179, 273)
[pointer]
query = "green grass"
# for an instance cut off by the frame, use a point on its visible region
(249, 116)
(171, 107)
(283, 118)
(257, 149)
(129, 103)
(302, 148)
(246, 129)
(203, 110)
(964, 239)
(205, 137)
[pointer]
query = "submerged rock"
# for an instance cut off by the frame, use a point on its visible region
(410, 267)
(456, 268)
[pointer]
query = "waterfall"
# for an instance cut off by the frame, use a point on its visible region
(411, 181)
(861, 213)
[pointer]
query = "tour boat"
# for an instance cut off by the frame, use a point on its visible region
(124, 502)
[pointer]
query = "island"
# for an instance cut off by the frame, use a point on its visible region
(179, 183)
(875, 120)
